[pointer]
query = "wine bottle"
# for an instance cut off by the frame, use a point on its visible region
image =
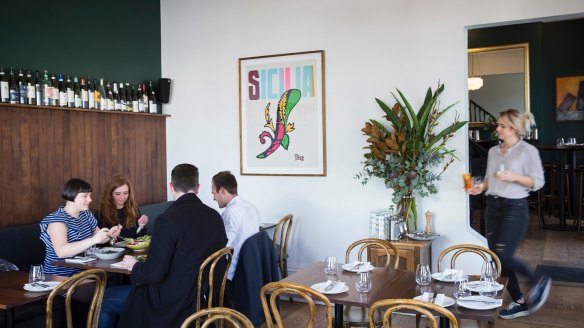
(140, 98)
(62, 92)
(101, 95)
(145, 99)
(54, 101)
(4, 91)
(70, 93)
(122, 95)
(152, 99)
(110, 97)
(76, 92)
(134, 99)
(22, 89)
(13, 88)
(47, 90)
(38, 92)
(90, 93)
(129, 103)
(30, 89)
(116, 98)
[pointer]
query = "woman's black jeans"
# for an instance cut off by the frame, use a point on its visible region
(506, 223)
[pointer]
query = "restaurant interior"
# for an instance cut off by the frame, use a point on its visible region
(378, 46)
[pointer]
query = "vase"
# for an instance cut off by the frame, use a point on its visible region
(407, 209)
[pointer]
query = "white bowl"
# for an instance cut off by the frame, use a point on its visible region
(109, 253)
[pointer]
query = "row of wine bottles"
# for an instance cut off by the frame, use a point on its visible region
(79, 93)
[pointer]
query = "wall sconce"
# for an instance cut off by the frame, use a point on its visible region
(474, 82)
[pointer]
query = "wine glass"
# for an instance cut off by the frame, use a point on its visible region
(330, 265)
(363, 283)
(571, 141)
(36, 274)
(560, 141)
(423, 274)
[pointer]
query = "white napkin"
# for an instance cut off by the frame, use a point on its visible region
(450, 273)
(498, 301)
(428, 298)
(337, 288)
(80, 259)
(117, 264)
(364, 265)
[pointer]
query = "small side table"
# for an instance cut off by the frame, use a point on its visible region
(414, 252)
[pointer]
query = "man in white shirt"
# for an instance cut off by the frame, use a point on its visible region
(241, 218)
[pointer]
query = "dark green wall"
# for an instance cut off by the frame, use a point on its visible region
(118, 40)
(554, 49)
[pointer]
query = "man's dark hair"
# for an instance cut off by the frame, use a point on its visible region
(226, 180)
(73, 187)
(184, 177)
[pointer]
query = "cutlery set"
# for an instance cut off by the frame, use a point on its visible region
(330, 286)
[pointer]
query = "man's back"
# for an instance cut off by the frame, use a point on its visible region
(182, 238)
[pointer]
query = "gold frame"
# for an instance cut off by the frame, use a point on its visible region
(525, 47)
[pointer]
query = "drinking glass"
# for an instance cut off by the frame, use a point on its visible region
(423, 274)
(36, 273)
(560, 141)
(460, 286)
(489, 287)
(500, 170)
(571, 141)
(477, 182)
(363, 283)
(330, 265)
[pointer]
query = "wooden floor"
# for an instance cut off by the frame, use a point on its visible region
(565, 305)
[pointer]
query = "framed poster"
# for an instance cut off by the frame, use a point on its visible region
(569, 98)
(282, 114)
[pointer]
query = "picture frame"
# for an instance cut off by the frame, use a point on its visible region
(569, 98)
(282, 114)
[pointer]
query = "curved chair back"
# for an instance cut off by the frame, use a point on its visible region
(307, 293)
(363, 244)
(207, 269)
(207, 317)
(457, 250)
(421, 307)
(70, 285)
(280, 240)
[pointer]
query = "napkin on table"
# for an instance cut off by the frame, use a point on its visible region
(79, 259)
(453, 273)
(428, 298)
(337, 288)
(364, 265)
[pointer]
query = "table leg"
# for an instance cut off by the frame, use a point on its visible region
(573, 188)
(9, 318)
(444, 322)
(562, 204)
(338, 316)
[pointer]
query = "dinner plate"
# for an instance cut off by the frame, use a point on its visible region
(37, 288)
(473, 302)
(478, 286)
(446, 301)
(364, 268)
(438, 276)
(321, 285)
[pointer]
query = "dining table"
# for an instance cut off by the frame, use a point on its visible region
(566, 152)
(386, 283)
(13, 295)
(105, 265)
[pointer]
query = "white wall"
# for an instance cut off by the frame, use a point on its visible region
(372, 47)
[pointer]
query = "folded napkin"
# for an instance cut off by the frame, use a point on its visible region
(117, 264)
(428, 298)
(339, 285)
(80, 259)
(450, 274)
(360, 265)
(495, 301)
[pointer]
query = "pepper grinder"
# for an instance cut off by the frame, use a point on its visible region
(428, 222)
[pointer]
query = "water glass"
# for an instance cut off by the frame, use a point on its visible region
(460, 288)
(36, 273)
(330, 265)
(363, 283)
(423, 275)
(560, 141)
(488, 287)
(571, 141)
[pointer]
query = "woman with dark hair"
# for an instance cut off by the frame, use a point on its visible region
(513, 170)
(72, 228)
(118, 208)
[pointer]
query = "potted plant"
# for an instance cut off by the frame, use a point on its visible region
(406, 153)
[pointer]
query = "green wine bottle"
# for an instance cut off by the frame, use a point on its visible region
(4, 91)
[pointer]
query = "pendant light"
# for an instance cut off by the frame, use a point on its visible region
(474, 82)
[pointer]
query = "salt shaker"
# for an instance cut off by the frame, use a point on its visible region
(428, 222)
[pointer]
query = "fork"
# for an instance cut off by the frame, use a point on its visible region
(358, 265)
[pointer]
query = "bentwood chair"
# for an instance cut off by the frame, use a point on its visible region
(457, 250)
(357, 316)
(290, 289)
(214, 267)
(208, 317)
(280, 240)
(98, 276)
(421, 307)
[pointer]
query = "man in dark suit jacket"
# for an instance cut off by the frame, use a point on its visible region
(165, 285)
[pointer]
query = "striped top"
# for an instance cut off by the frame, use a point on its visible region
(77, 229)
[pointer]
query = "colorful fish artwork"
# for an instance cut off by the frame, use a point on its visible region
(280, 136)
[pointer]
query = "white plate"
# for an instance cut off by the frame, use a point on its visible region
(321, 285)
(348, 267)
(478, 286)
(112, 253)
(37, 288)
(438, 276)
(446, 302)
(478, 305)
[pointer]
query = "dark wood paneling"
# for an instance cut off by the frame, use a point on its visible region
(42, 147)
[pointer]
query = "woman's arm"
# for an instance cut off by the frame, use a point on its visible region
(63, 248)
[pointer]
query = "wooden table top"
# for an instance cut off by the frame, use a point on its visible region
(387, 284)
(105, 265)
(12, 293)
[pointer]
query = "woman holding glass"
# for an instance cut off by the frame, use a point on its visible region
(514, 169)
(72, 228)
(118, 207)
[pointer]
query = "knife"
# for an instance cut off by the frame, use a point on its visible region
(434, 297)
